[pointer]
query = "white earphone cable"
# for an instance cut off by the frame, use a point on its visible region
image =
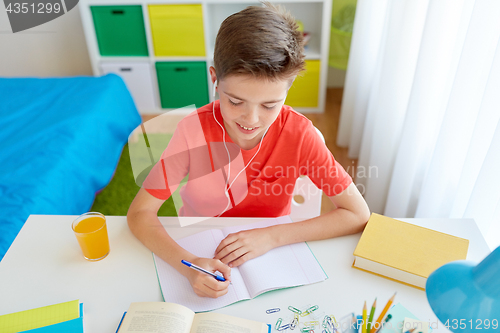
(260, 144)
(227, 151)
(226, 187)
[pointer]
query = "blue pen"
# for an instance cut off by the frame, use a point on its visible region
(199, 269)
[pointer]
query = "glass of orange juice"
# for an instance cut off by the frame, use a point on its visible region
(92, 235)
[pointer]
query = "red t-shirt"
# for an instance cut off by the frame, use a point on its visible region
(263, 188)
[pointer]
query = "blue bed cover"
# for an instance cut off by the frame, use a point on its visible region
(61, 139)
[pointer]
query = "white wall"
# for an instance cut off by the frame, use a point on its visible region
(56, 48)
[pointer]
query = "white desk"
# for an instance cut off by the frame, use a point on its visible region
(45, 266)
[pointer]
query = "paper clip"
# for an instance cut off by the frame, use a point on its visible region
(311, 323)
(308, 311)
(334, 323)
(278, 323)
(328, 325)
(284, 327)
(272, 310)
(291, 308)
(307, 329)
(294, 322)
(325, 321)
(333, 326)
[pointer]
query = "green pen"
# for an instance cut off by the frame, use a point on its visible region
(370, 318)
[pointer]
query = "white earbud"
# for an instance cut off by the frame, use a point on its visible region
(215, 86)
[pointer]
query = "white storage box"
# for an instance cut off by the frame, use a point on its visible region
(139, 81)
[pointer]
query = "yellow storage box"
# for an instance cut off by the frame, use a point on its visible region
(304, 92)
(177, 30)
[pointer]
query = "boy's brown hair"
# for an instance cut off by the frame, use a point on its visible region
(263, 41)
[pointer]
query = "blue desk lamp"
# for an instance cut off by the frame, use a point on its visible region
(466, 296)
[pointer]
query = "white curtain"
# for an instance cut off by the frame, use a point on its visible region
(421, 109)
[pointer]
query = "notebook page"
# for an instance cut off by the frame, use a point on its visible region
(177, 289)
(282, 267)
(39, 317)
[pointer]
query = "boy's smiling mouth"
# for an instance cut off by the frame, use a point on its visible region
(246, 129)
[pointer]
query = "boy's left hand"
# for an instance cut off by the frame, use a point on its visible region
(242, 246)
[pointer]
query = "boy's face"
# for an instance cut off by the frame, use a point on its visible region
(249, 106)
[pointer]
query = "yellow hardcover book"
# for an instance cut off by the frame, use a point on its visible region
(405, 252)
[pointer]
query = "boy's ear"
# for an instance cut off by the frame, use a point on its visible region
(213, 75)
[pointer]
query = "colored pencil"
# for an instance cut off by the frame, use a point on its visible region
(382, 315)
(372, 312)
(363, 328)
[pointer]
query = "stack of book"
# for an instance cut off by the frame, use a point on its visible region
(64, 317)
(405, 252)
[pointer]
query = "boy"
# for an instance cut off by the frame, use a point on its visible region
(258, 53)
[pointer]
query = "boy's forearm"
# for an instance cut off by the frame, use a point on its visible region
(336, 223)
(148, 229)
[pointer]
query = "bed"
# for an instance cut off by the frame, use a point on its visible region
(61, 139)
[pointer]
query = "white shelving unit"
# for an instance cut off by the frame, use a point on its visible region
(315, 16)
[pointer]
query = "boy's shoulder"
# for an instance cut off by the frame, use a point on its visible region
(292, 120)
(197, 115)
(296, 128)
(291, 115)
(205, 109)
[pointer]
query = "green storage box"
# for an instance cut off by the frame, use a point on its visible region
(182, 83)
(120, 30)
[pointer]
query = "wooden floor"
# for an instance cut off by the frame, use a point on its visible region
(327, 123)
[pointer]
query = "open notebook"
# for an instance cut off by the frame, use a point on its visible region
(283, 267)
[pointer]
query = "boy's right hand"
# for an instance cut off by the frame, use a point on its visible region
(205, 285)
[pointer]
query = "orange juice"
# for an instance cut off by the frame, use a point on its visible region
(91, 233)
